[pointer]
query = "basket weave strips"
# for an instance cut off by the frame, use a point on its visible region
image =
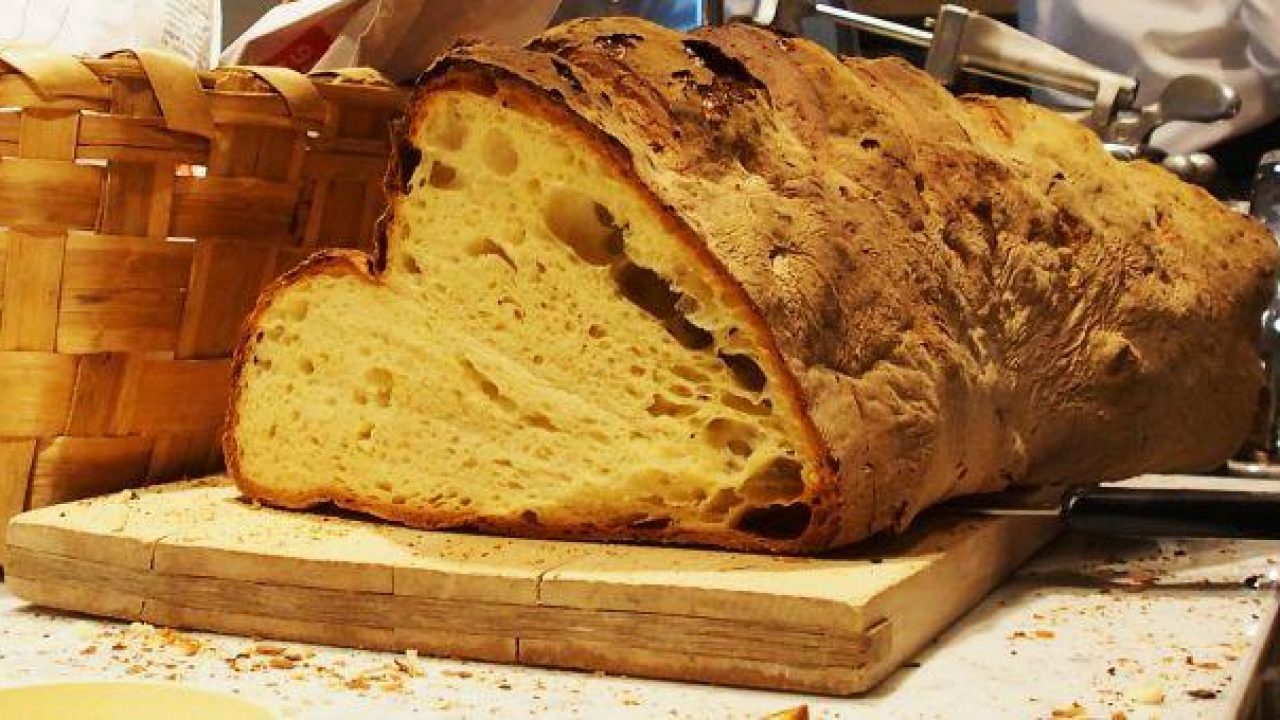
(142, 209)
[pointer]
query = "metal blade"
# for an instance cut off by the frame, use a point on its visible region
(1008, 511)
(877, 26)
(1043, 501)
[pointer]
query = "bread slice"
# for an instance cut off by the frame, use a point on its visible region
(546, 353)
(725, 289)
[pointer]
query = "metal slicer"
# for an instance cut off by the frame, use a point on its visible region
(964, 41)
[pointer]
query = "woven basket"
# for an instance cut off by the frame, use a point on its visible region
(142, 208)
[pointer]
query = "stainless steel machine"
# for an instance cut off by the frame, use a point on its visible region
(959, 40)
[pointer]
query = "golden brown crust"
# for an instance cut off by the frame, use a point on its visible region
(958, 294)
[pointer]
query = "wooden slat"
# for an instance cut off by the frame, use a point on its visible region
(32, 282)
(344, 213)
(48, 133)
(264, 153)
(343, 166)
(246, 208)
(122, 293)
(69, 468)
(311, 211)
(16, 91)
(36, 388)
(15, 469)
(97, 392)
(389, 101)
(68, 193)
(113, 261)
(226, 278)
(4, 260)
(131, 95)
(609, 656)
(178, 614)
(97, 129)
(186, 456)
(160, 202)
(159, 395)
(126, 202)
(242, 108)
(119, 319)
(10, 121)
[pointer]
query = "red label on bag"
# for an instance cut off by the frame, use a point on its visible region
(304, 50)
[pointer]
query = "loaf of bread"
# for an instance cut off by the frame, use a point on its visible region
(727, 289)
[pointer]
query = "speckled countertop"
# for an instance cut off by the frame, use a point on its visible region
(1091, 628)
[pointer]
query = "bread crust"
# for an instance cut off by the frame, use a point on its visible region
(955, 294)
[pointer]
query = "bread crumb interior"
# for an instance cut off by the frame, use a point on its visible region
(541, 350)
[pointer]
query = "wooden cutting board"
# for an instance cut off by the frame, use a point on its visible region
(194, 555)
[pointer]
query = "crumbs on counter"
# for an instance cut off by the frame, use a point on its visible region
(1074, 710)
(1146, 694)
(1203, 694)
(1032, 634)
(149, 652)
(799, 712)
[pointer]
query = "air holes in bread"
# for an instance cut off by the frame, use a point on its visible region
(380, 384)
(746, 405)
(721, 503)
(584, 225)
(444, 176)
(488, 386)
(778, 482)
(745, 370)
(409, 264)
(447, 131)
(776, 522)
(407, 159)
(498, 153)
(651, 293)
(654, 523)
(693, 375)
(540, 420)
(485, 246)
(731, 435)
(661, 406)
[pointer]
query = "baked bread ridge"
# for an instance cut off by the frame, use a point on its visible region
(1012, 404)
(956, 315)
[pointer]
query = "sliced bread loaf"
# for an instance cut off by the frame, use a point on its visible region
(726, 289)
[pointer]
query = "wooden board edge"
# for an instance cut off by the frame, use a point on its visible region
(324, 617)
(909, 630)
(30, 532)
(685, 667)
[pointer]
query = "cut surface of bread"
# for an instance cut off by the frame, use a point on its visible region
(727, 289)
(543, 350)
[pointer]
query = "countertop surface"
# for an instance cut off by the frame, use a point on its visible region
(1092, 627)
